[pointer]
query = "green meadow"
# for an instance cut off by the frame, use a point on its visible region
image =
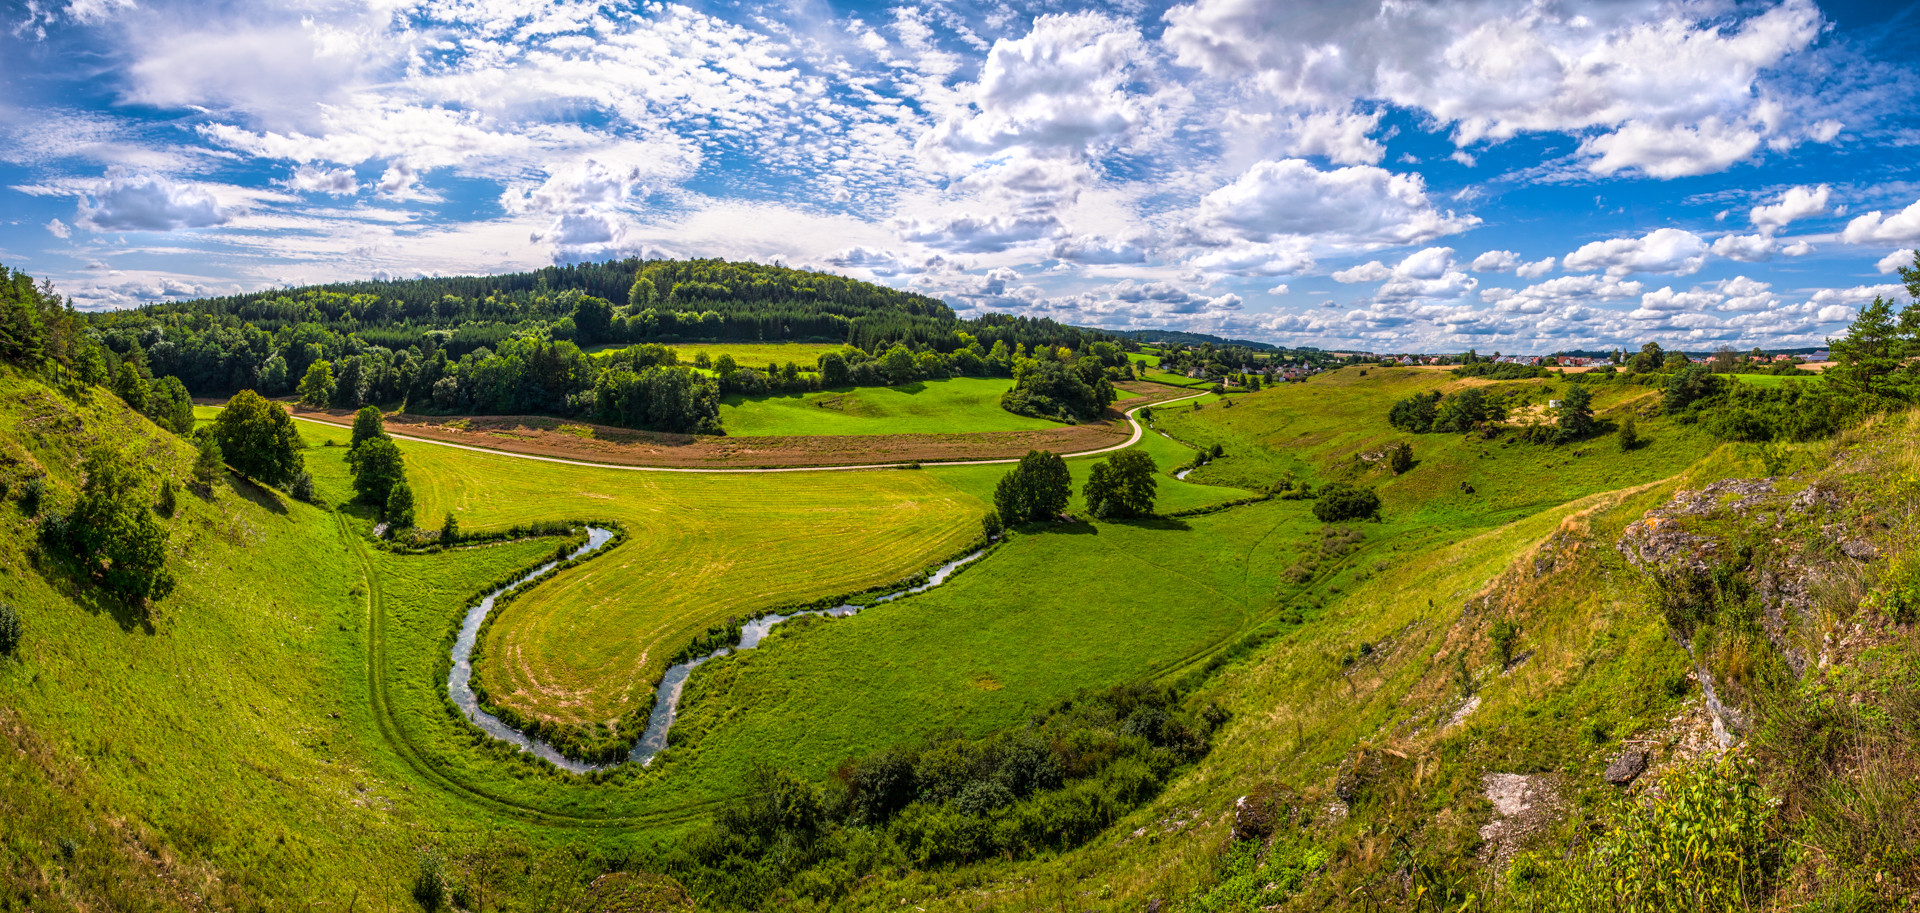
(295, 680)
(746, 354)
(957, 404)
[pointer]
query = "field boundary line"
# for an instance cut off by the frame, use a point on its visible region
(1138, 432)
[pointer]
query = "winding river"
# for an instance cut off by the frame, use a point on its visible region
(666, 696)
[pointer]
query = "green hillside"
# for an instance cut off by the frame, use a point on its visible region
(1540, 663)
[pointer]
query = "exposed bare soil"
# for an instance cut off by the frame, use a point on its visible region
(568, 439)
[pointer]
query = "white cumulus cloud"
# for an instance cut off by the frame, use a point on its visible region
(1902, 227)
(1664, 250)
(1794, 203)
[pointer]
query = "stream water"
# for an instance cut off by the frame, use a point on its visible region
(666, 697)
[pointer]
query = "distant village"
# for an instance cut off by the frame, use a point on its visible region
(1233, 365)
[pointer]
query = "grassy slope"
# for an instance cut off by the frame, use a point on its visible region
(1299, 710)
(227, 756)
(925, 407)
(835, 688)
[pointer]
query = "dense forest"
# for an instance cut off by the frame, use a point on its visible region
(513, 344)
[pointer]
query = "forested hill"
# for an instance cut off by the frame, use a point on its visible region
(219, 345)
(1182, 338)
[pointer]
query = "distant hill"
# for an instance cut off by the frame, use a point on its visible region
(1181, 338)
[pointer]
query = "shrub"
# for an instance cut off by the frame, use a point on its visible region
(1629, 435)
(430, 884)
(1340, 501)
(399, 507)
(1401, 459)
(112, 532)
(32, 495)
(9, 629)
(167, 503)
(1504, 634)
(302, 487)
(990, 524)
(1701, 841)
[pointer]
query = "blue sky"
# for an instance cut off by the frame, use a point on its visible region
(1405, 176)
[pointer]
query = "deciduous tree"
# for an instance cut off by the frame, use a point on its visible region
(257, 439)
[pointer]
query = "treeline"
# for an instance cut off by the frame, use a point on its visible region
(1053, 784)
(511, 344)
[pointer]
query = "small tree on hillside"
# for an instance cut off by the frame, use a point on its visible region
(367, 423)
(257, 439)
(449, 530)
(10, 629)
(302, 487)
(1340, 501)
(399, 507)
(1874, 349)
(1629, 434)
(1122, 485)
(1402, 458)
(114, 535)
(1505, 633)
(170, 406)
(1576, 414)
(377, 468)
(316, 388)
(168, 503)
(207, 464)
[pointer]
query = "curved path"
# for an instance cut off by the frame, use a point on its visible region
(1138, 431)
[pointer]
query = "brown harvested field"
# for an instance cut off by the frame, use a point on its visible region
(544, 436)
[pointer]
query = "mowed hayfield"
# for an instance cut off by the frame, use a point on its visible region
(746, 354)
(957, 404)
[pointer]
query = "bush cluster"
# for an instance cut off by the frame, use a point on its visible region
(1046, 786)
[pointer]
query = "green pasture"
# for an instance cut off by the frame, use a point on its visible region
(1776, 380)
(1324, 430)
(958, 404)
(1053, 611)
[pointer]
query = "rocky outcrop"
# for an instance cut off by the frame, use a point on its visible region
(1627, 767)
(1523, 806)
